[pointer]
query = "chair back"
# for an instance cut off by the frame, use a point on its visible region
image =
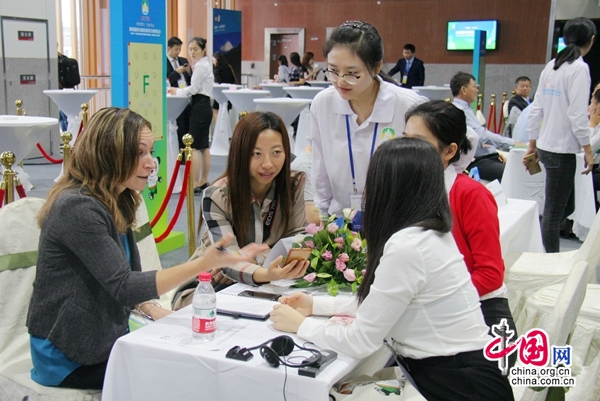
(19, 238)
(590, 249)
(563, 317)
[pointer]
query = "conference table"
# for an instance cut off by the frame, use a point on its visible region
(518, 183)
(520, 227)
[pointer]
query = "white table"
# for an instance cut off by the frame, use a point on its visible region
(220, 142)
(288, 109)
(154, 363)
(175, 106)
(518, 183)
(320, 84)
(275, 88)
(70, 101)
(520, 227)
(20, 134)
(303, 92)
(243, 99)
(434, 92)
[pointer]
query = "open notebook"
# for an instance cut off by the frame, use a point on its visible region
(232, 301)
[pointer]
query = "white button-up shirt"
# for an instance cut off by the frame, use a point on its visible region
(203, 80)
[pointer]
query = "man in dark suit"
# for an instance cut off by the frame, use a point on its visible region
(522, 89)
(178, 74)
(411, 69)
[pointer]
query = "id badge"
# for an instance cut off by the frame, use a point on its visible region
(181, 83)
(356, 204)
(404, 79)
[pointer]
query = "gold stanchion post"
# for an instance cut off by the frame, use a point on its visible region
(84, 113)
(66, 138)
(513, 93)
(448, 100)
(8, 183)
(20, 111)
(480, 101)
(504, 94)
(191, 214)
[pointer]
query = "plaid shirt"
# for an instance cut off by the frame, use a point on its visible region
(217, 218)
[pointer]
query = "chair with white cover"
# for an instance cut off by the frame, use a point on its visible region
(149, 257)
(585, 338)
(527, 272)
(560, 323)
(18, 255)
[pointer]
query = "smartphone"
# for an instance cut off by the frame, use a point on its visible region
(300, 254)
(258, 294)
(532, 165)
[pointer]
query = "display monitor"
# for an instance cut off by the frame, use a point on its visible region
(560, 44)
(461, 34)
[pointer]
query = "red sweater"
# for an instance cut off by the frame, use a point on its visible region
(476, 230)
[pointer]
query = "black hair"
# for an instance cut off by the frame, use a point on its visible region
(522, 78)
(459, 80)
(295, 59)
(404, 188)
(364, 41)
(577, 33)
(174, 41)
(596, 95)
(410, 47)
(201, 42)
(283, 60)
(446, 122)
(221, 60)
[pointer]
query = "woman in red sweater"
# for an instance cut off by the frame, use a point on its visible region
(476, 228)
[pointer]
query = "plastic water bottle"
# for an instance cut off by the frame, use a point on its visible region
(204, 319)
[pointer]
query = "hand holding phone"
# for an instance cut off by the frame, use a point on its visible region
(532, 164)
(299, 254)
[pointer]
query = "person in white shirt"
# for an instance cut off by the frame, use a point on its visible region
(558, 126)
(594, 112)
(416, 294)
(200, 90)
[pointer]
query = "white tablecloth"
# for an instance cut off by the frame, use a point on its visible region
(520, 227)
(154, 363)
(518, 183)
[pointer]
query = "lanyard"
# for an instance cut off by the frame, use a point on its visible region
(269, 218)
(350, 150)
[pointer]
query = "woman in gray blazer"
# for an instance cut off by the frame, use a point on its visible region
(88, 275)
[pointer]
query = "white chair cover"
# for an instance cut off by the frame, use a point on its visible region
(585, 338)
(147, 249)
(528, 272)
(561, 321)
(19, 238)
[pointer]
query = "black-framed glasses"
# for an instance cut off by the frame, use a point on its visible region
(349, 78)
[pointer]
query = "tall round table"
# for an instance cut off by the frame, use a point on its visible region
(434, 92)
(243, 99)
(275, 88)
(288, 109)
(20, 134)
(220, 142)
(175, 106)
(303, 92)
(70, 101)
(320, 84)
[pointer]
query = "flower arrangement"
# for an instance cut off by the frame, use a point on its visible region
(338, 257)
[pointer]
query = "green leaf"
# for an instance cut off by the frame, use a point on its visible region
(301, 284)
(328, 264)
(315, 252)
(354, 286)
(323, 275)
(332, 288)
(313, 263)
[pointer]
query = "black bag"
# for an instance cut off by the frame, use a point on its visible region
(68, 72)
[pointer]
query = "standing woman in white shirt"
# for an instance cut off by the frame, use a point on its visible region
(416, 294)
(200, 91)
(362, 109)
(560, 107)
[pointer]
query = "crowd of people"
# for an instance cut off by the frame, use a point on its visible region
(434, 281)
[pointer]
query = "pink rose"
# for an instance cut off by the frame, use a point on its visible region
(327, 255)
(356, 244)
(310, 277)
(332, 228)
(312, 228)
(349, 275)
(344, 257)
(363, 272)
(339, 240)
(310, 244)
(340, 265)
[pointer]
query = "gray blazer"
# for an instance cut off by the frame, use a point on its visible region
(84, 287)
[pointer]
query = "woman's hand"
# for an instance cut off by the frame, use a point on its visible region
(285, 318)
(217, 255)
(588, 159)
(595, 118)
(299, 301)
(172, 91)
(294, 269)
(531, 148)
(219, 278)
(158, 313)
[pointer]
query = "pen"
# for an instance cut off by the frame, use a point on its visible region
(229, 251)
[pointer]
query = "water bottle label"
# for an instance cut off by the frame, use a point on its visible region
(204, 320)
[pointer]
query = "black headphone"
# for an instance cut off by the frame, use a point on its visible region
(280, 346)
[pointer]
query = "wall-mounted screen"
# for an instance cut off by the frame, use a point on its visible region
(461, 34)
(560, 44)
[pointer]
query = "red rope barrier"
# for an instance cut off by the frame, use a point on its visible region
(492, 118)
(21, 191)
(188, 165)
(2, 192)
(501, 120)
(47, 156)
(167, 198)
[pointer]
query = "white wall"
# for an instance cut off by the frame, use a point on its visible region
(568, 9)
(37, 9)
